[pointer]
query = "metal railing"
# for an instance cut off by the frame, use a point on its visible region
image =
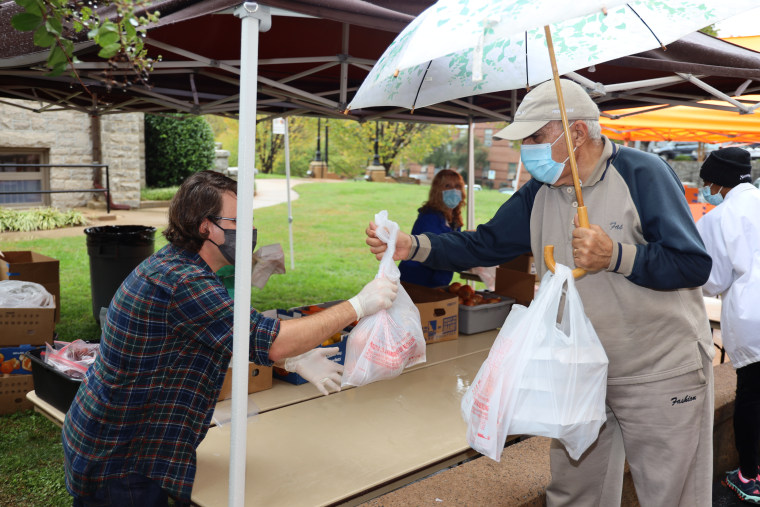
(106, 190)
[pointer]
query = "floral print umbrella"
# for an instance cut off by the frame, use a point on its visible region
(459, 48)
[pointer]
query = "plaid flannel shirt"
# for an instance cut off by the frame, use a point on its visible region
(147, 401)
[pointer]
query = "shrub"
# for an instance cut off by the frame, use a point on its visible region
(38, 219)
(158, 194)
(176, 146)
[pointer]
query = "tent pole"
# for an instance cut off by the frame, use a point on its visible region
(470, 174)
(287, 179)
(254, 18)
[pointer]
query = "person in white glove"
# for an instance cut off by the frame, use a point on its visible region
(297, 338)
(316, 368)
(375, 296)
(175, 300)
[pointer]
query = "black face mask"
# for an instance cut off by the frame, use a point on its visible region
(228, 247)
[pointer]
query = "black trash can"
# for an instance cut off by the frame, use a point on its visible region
(115, 250)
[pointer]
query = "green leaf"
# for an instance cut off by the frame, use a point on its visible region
(106, 27)
(56, 57)
(31, 6)
(57, 70)
(25, 21)
(53, 26)
(43, 38)
(68, 47)
(109, 51)
(107, 38)
(130, 31)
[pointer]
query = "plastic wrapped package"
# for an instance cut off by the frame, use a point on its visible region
(21, 294)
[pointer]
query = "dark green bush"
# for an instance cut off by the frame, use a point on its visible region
(176, 146)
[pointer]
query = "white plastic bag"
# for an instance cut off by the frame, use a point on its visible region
(267, 260)
(541, 377)
(381, 345)
(23, 294)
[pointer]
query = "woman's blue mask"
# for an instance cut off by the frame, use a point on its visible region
(710, 198)
(537, 159)
(452, 197)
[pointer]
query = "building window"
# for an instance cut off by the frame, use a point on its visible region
(511, 171)
(486, 170)
(488, 137)
(19, 178)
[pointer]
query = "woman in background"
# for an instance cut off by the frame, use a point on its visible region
(441, 213)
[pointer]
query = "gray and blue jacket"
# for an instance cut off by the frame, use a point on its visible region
(647, 307)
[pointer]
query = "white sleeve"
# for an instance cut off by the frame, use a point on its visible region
(720, 279)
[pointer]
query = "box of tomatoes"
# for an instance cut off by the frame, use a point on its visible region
(481, 310)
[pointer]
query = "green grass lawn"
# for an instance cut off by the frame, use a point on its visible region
(332, 262)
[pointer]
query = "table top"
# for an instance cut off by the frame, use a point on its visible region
(333, 448)
(713, 307)
(283, 393)
(45, 408)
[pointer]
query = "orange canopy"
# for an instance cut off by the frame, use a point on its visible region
(682, 123)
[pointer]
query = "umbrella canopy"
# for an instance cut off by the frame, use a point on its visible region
(462, 48)
(683, 123)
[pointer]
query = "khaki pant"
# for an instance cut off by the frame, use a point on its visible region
(663, 428)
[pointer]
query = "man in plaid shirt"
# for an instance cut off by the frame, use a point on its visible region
(131, 433)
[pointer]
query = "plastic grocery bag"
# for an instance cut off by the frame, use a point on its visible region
(267, 260)
(23, 294)
(381, 345)
(542, 376)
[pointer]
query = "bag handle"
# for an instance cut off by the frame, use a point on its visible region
(386, 231)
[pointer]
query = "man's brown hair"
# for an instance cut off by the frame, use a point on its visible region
(199, 197)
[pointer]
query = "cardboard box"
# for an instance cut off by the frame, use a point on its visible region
(33, 267)
(515, 284)
(22, 326)
(259, 379)
(524, 263)
(439, 312)
(13, 389)
(14, 362)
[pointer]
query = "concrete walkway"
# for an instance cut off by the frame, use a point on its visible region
(269, 192)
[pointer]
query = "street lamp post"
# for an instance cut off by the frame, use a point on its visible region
(318, 153)
(376, 159)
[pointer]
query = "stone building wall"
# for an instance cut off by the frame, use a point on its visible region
(65, 138)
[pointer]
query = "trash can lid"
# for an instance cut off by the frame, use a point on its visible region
(122, 234)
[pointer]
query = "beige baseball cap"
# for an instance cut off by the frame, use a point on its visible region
(540, 106)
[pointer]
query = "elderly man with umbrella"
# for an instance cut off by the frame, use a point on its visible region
(644, 263)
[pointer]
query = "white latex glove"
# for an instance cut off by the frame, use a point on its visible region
(375, 296)
(314, 366)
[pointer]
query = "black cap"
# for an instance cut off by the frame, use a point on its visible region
(727, 167)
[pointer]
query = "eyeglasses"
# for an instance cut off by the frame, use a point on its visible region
(223, 218)
(216, 217)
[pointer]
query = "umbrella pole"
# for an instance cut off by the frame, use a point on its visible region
(582, 211)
